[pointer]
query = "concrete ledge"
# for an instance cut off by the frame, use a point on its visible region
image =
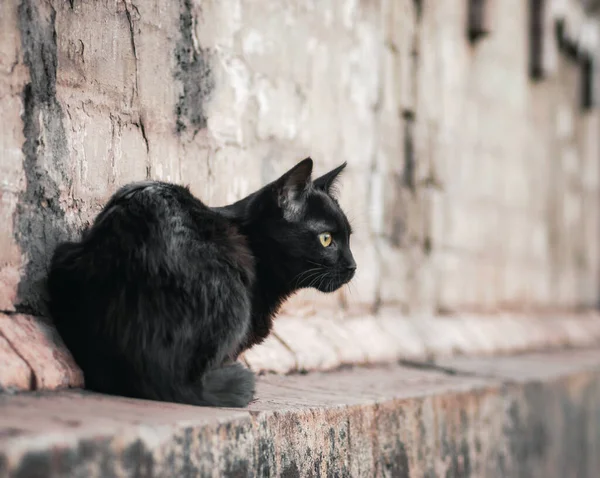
(533, 415)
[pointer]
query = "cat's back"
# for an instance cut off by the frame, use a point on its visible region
(159, 214)
(151, 210)
(156, 227)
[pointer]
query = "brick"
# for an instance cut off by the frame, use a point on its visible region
(13, 77)
(356, 191)
(394, 274)
(364, 288)
(271, 356)
(424, 274)
(14, 371)
(95, 155)
(279, 110)
(310, 349)
(112, 74)
(42, 349)
(243, 173)
(406, 336)
(348, 346)
(453, 279)
(129, 154)
(153, 26)
(10, 255)
(11, 136)
(441, 336)
(377, 345)
(403, 38)
(9, 283)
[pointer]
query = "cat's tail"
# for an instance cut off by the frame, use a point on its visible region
(229, 386)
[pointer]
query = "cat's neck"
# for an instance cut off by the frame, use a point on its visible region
(272, 278)
(272, 285)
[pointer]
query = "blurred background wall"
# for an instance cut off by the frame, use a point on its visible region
(470, 128)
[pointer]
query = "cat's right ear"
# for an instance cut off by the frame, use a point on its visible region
(292, 186)
(327, 181)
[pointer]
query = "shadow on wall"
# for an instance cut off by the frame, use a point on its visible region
(39, 221)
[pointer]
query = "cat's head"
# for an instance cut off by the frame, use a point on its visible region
(305, 223)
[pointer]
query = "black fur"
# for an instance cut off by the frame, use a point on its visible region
(162, 293)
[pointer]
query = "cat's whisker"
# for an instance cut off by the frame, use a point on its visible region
(314, 263)
(313, 274)
(305, 275)
(323, 277)
(350, 287)
(329, 284)
(338, 279)
(319, 279)
(314, 281)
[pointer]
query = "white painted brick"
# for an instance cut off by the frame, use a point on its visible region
(93, 145)
(365, 285)
(452, 278)
(394, 274)
(311, 350)
(270, 356)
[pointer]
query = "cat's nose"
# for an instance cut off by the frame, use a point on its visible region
(351, 266)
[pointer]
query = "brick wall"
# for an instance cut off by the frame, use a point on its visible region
(470, 185)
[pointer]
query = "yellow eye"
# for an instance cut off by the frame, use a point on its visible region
(325, 239)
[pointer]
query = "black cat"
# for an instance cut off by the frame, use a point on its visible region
(163, 293)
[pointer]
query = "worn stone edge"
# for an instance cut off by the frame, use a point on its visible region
(300, 344)
(321, 343)
(224, 436)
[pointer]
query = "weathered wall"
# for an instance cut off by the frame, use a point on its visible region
(469, 185)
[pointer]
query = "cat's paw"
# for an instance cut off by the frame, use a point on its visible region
(229, 386)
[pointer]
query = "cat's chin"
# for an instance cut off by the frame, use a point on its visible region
(328, 290)
(332, 287)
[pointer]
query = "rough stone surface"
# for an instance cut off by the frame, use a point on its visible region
(272, 355)
(311, 343)
(312, 350)
(325, 344)
(40, 347)
(534, 416)
(15, 373)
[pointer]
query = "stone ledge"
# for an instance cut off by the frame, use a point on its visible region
(317, 343)
(33, 356)
(532, 415)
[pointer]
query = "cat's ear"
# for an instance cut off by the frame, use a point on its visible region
(293, 184)
(327, 181)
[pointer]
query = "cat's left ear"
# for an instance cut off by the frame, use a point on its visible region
(293, 184)
(327, 182)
